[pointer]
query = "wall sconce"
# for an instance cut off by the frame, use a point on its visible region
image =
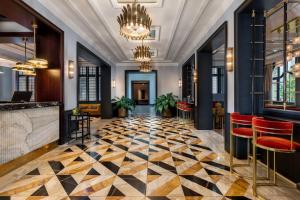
(113, 83)
(180, 83)
(195, 76)
(230, 59)
(71, 69)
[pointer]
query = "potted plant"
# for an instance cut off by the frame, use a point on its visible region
(165, 103)
(124, 104)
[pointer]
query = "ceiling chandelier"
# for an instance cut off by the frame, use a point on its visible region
(134, 22)
(145, 67)
(38, 63)
(142, 54)
(25, 67)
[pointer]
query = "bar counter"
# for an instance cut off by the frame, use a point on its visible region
(25, 127)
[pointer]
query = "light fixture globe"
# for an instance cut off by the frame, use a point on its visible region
(142, 54)
(134, 22)
(145, 67)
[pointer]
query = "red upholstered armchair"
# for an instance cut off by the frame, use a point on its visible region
(275, 136)
(240, 126)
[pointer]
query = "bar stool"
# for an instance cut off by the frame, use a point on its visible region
(275, 136)
(240, 126)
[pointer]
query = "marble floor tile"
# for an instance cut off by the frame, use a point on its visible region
(140, 157)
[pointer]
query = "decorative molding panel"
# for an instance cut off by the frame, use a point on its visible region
(146, 3)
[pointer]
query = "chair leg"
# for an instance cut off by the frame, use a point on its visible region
(254, 170)
(248, 151)
(274, 171)
(268, 165)
(231, 153)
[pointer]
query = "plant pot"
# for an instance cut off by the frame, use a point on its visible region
(122, 112)
(166, 113)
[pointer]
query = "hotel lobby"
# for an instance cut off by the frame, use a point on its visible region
(149, 99)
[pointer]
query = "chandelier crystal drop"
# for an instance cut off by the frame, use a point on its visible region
(145, 67)
(38, 63)
(142, 54)
(134, 22)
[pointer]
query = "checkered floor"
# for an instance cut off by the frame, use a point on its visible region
(134, 158)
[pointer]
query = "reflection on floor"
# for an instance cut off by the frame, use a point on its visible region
(144, 110)
(134, 158)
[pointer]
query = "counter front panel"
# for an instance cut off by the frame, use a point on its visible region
(25, 130)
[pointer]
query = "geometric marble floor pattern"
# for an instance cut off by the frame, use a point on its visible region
(134, 158)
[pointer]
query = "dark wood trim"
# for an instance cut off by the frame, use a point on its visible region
(16, 34)
(40, 18)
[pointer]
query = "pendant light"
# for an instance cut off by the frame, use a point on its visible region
(134, 22)
(145, 67)
(142, 53)
(38, 63)
(25, 67)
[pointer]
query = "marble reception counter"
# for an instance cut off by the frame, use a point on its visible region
(27, 127)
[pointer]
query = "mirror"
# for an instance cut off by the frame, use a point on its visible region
(281, 90)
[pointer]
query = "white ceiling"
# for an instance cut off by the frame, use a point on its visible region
(177, 20)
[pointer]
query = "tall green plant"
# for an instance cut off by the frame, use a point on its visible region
(125, 103)
(165, 102)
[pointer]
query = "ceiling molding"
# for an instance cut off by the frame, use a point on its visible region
(175, 26)
(186, 36)
(155, 4)
(184, 24)
(198, 36)
(74, 7)
(66, 19)
(156, 64)
(100, 16)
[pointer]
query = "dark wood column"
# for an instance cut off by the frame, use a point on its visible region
(106, 106)
(204, 117)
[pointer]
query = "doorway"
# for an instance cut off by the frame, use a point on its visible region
(212, 83)
(140, 92)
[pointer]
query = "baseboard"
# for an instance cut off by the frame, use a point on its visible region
(22, 160)
(280, 175)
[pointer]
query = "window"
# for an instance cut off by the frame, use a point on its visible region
(278, 84)
(89, 84)
(25, 83)
(217, 80)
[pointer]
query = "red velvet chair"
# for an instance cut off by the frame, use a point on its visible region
(184, 110)
(240, 126)
(275, 136)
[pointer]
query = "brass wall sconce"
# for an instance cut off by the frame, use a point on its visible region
(195, 76)
(180, 83)
(113, 83)
(71, 69)
(230, 59)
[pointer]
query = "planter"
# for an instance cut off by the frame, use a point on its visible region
(122, 112)
(166, 113)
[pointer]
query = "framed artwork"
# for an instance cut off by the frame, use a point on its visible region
(154, 33)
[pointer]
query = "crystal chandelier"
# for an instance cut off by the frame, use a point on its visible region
(25, 67)
(38, 63)
(145, 67)
(134, 22)
(142, 54)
